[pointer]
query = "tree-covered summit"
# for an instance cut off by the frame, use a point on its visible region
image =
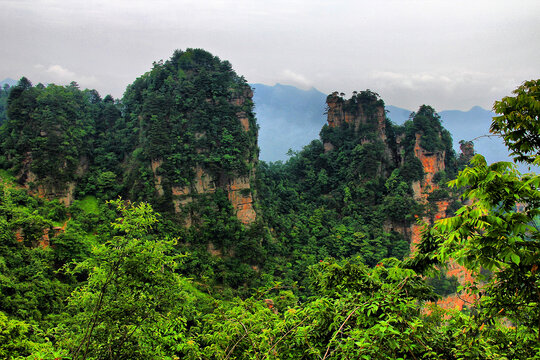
(186, 111)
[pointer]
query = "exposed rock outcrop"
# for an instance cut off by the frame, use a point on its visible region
(356, 112)
(467, 149)
(44, 239)
(47, 187)
(240, 196)
(432, 163)
(237, 187)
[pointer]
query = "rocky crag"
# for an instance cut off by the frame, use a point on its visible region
(238, 187)
(421, 142)
(184, 130)
(358, 112)
(193, 144)
(420, 150)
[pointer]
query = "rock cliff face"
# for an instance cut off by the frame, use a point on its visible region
(48, 188)
(240, 196)
(237, 187)
(355, 113)
(432, 163)
(467, 149)
(238, 192)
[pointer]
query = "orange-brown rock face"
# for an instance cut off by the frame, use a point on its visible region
(239, 193)
(19, 235)
(432, 162)
(344, 111)
(244, 120)
(45, 239)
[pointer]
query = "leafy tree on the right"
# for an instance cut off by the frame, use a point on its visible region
(519, 122)
(498, 228)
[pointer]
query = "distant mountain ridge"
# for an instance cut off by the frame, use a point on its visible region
(8, 81)
(290, 118)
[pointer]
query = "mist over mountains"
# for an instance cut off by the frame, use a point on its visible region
(290, 118)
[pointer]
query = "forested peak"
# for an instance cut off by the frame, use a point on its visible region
(50, 134)
(426, 117)
(426, 122)
(363, 98)
(193, 132)
(195, 70)
(198, 60)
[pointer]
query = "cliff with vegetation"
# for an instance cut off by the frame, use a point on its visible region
(361, 112)
(195, 134)
(183, 138)
(247, 259)
(420, 153)
(185, 129)
(360, 189)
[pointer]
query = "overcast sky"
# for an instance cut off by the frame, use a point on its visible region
(448, 54)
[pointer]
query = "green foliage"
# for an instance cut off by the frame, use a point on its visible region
(89, 204)
(497, 230)
(30, 289)
(519, 122)
(443, 285)
(185, 114)
(4, 93)
(357, 313)
(132, 295)
(412, 169)
(14, 342)
(48, 125)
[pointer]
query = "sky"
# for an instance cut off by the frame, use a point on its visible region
(448, 54)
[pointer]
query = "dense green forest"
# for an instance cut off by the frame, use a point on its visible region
(146, 228)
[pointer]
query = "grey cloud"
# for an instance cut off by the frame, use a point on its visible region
(448, 53)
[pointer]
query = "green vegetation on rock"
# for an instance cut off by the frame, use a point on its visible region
(171, 269)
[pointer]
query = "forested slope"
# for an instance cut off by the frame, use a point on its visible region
(146, 228)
